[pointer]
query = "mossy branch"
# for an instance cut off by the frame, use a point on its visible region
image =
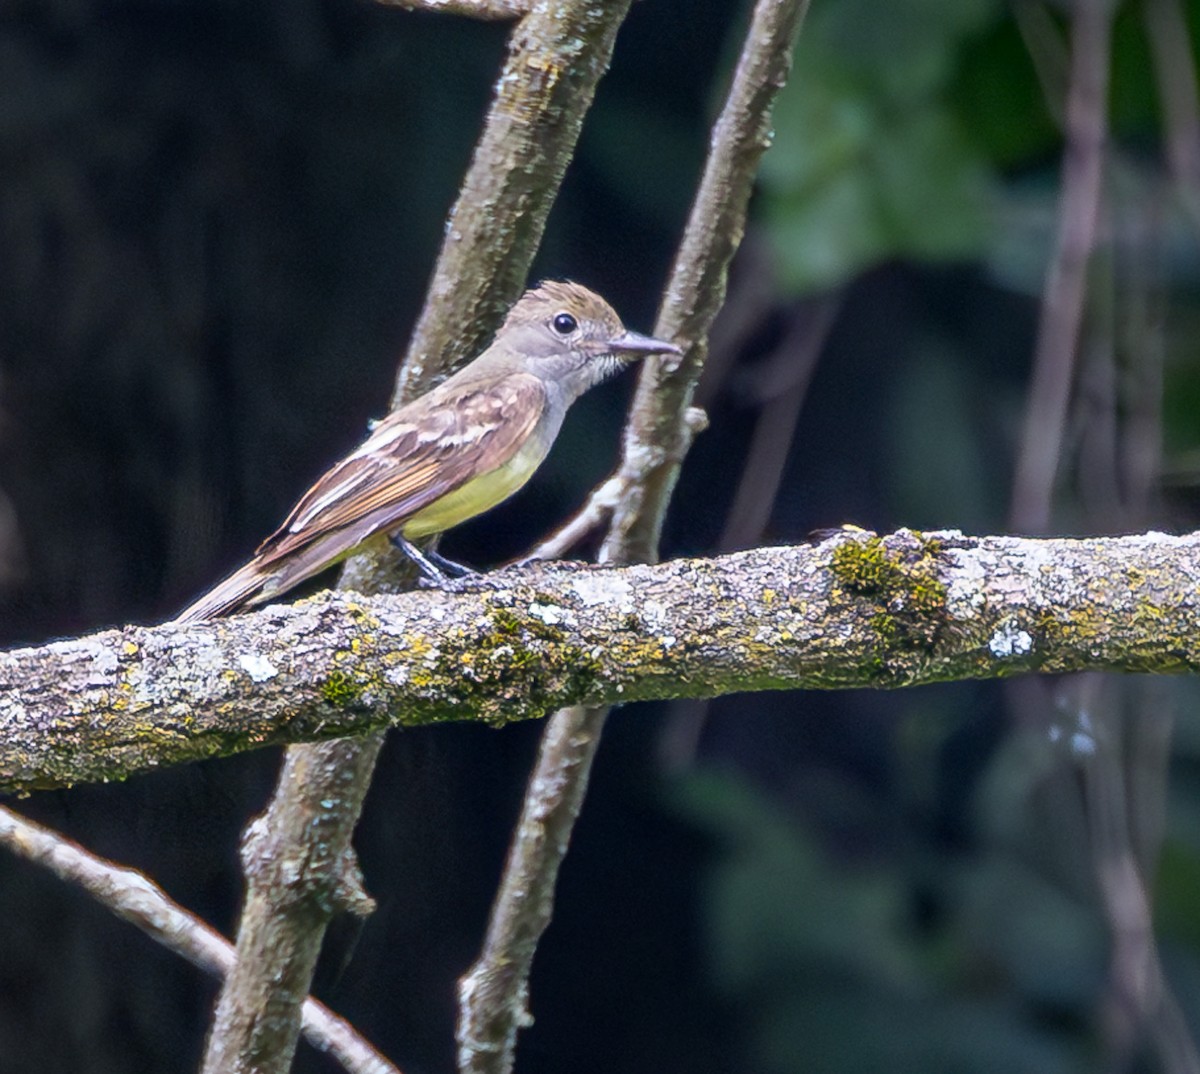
(854, 611)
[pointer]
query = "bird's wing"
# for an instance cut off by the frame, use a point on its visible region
(404, 465)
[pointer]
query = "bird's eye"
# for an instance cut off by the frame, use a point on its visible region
(564, 324)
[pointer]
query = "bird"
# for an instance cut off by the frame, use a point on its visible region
(452, 453)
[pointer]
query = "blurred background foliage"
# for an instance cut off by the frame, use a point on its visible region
(216, 221)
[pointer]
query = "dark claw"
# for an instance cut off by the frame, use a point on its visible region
(437, 572)
(449, 566)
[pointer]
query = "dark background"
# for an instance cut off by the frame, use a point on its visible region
(216, 222)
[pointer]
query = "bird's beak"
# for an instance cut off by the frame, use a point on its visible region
(631, 346)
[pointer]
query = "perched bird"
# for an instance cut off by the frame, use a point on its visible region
(450, 454)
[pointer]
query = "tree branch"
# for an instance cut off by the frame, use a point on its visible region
(134, 898)
(1054, 358)
(854, 611)
(474, 9)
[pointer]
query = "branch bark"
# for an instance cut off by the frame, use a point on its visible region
(473, 9)
(854, 611)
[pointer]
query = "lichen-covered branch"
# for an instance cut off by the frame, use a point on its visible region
(474, 9)
(854, 611)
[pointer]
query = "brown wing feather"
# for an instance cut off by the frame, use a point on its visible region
(406, 464)
(412, 459)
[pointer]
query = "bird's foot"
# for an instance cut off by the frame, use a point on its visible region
(436, 571)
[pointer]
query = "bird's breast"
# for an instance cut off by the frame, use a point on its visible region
(480, 493)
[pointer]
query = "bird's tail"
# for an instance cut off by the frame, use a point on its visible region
(236, 591)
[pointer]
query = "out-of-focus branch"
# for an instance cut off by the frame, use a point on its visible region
(298, 872)
(134, 898)
(781, 390)
(1120, 752)
(1062, 301)
(474, 9)
(1175, 76)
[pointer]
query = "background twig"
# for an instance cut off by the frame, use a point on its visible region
(475, 9)
(1062, 302)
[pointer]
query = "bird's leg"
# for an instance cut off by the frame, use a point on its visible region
(449, 566)
(439, 570)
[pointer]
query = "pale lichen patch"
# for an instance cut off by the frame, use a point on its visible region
(103, 663)
(257, 666)
(593, 589)
(654, 612)
(398, 675)
(551, 614)
(1010, 640)
(965, 592)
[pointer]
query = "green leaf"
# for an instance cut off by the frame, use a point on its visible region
(871, 159)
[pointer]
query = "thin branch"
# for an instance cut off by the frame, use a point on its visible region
(599, 506)
(659, 434)
(591, 516)
(791, 369)
(1062, 303)
(134, 898)
(1175, 76)
(473, 9)
(494, 994)
(557, 54)
(787, 374)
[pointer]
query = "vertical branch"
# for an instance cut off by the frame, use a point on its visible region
(298, 858)
(492, 995)
(1175, 74)
(788, 375)
(1062, 301)
(1123, 768)
(781, 396)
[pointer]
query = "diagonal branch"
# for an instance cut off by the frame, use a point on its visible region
(145, 905)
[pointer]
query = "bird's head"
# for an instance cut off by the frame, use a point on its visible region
(572, 337)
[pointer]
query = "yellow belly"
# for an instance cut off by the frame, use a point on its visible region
(477, 495)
